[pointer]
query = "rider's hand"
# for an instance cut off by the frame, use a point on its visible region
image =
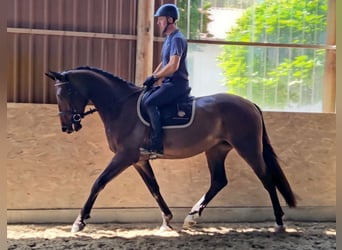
(150, 81)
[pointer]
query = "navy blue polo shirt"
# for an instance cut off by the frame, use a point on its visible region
(176, 44)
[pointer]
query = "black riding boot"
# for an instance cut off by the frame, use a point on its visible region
(156, 131)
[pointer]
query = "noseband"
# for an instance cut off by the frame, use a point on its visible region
(76, 116)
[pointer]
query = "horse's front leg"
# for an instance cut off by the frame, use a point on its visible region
(118, 164)
(146, 173)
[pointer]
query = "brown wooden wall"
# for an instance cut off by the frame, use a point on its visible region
(64, 34)
(50, 174)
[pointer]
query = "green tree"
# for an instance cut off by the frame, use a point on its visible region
(199, 17)
(272, 77)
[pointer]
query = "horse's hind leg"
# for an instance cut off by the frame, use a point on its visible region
(146, 173)
(255, 159)
(215, 158)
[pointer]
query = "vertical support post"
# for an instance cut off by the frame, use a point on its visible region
(144, 56)
(4, 143)
(329, 84)
(188, 28)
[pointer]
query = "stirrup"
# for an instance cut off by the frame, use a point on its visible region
(153, 154)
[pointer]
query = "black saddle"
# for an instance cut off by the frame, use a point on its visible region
(179, 113)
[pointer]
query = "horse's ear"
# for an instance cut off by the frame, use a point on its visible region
(55, 75)
(50, 75)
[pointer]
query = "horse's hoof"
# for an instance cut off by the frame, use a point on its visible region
(165, 228)
(78, 226)
(189, 221)
(280, 229)
(166, 231)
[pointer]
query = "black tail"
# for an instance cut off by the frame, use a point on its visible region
(272, 164)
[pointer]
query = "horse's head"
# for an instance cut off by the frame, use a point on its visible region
(71, 103)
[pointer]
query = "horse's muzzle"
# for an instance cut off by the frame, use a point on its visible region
(75, 126)
(68, 129)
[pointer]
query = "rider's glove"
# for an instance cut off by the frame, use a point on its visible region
(150, 81)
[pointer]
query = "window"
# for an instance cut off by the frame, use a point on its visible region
(271, 52)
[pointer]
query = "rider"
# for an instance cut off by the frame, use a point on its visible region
(172, 71)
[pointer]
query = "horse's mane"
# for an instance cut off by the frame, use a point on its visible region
(106, 74)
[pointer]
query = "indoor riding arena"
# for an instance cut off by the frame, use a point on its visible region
(50, 173)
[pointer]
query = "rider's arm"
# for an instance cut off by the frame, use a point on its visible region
(158, 68)
(168, 69)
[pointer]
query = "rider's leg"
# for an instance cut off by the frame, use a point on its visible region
(157, 131)
(163, 95)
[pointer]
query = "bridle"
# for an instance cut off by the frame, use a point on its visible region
(76, 116)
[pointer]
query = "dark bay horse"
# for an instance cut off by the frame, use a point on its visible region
(222, 122)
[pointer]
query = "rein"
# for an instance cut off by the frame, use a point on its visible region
(77, 117)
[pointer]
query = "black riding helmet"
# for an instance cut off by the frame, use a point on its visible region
(168, 10)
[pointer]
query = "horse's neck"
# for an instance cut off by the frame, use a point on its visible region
(99, 90)
(109, 98)
(107, 93)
